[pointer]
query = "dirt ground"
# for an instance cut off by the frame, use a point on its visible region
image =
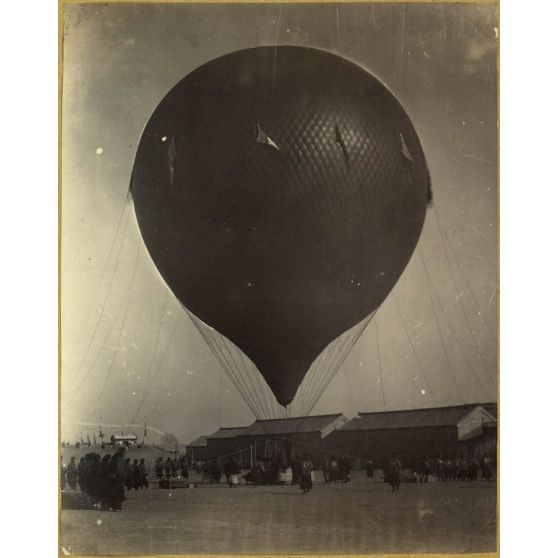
(357, 518)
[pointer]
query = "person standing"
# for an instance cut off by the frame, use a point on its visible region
(306, 468)
(159, 468)
(128, 474)
(394, 472)
(486, 467)
(325, 470)
(117, 479)
(71, 474)
(137, 480)
(143, 474)
(184, 467)
(333, 469)
(168, 468)
(62, 474)
(175, 467)
(370, 469)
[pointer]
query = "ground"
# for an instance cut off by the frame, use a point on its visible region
(361, 517)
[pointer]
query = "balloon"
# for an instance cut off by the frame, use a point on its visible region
(281, 192)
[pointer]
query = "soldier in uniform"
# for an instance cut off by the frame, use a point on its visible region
(62, 474)
(306, 468)
(143, 474)
(117, 478)
(71, 474)
(394, 472)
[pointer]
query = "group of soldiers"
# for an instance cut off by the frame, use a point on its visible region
(336, 469)
(172, 467)
(266, 469)
(452, 467)
(212, 471)
(105, 479)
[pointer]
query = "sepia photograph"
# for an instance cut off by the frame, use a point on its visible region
(279, 278)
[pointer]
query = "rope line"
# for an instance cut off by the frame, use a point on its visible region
(85, 377)
(380, 362)
(450, 326)
(445, 242)
(101, 282)
(428, 283)
(360, 330)
(122, 324)
(413, 348)
(153, 375)
(445, 236)
(101, 314)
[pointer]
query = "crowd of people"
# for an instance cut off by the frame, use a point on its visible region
(336, 469)
(440, 468)
(453, 467)
(266, 469)
(105, 479)
(176, 467)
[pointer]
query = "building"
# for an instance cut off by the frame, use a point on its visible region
(224, 441)
(197, 450)
(96, 434)
(297, 435)
(433, 431)
(483, 439)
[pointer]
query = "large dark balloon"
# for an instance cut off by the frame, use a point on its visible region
(281, 192)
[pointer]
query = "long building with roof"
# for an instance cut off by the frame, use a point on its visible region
(461, 429)
(410, 433)
(301, 434)
(224, 441)
(197, 449)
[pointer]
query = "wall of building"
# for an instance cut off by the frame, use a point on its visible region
(405, 442)
(198, 453)
(486, 443)
(222, 446)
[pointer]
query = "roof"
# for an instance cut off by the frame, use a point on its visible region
(413, 418)
(224, 433)
(199, 442)
(294, 425)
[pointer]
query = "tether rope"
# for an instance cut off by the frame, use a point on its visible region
(123, 307)
(428, 282)
(413, 348)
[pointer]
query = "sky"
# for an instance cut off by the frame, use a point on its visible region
(128, 348)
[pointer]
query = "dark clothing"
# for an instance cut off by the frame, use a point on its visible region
(116, 480)
(168, 468)
(325, 470)
(486, 469)
(62, 477)
(394, 473)
(72, 475)
(143, 475)
(160, 468)
(306, 476)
